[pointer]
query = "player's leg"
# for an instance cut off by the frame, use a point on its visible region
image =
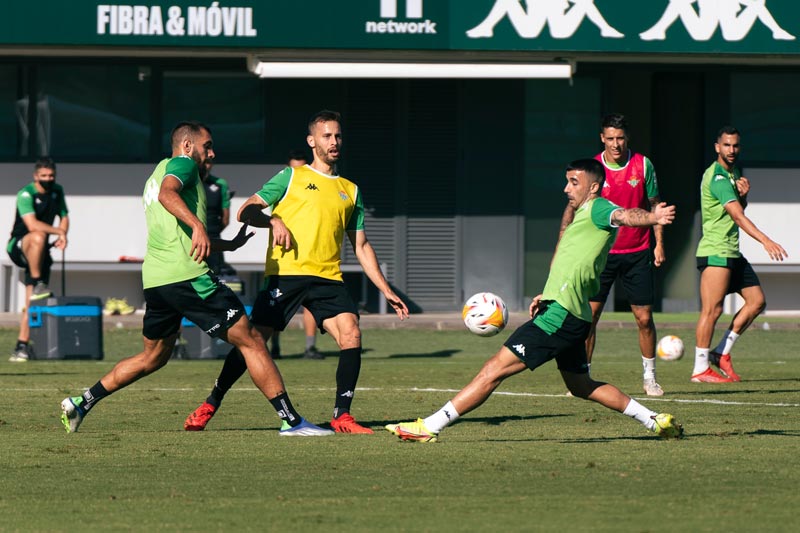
(500, 366)
(607, 395)
(529, 346)
(221, 314)
(34, 247)
(637, 279)
(744, 281)
(159, 330)
(714, 282)
(310, 328)
(345, 330)
(606, 279)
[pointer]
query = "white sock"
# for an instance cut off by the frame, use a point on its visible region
(442, 418)
(641, 413)
(700, 360)
(726, 343)
(649, 366)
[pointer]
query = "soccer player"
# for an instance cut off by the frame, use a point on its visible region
(38, 205)
(177, 283)
(630, 182)
(561, 315)
(218, 209)
(297, 158)
(313, 208)
(723, 269)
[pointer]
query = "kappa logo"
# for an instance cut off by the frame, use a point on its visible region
(347, 394)
(519, 348)
(388, 24)
(213, 187)
(719, 177)
(311, 187)
(232, 313)
(275, 293)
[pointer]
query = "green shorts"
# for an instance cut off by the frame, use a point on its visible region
(742, 273)
(567, 344)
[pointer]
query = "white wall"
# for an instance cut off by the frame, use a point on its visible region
(107, 222)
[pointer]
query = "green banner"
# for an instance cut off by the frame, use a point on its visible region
(613, 26)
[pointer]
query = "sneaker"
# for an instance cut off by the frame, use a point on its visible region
(727, 367)
(651, 388)
(40, 291)
(313, 353)
(413, 431)
(111, 307)
(21, 354)
(709, 376)
(667, 427)
(199, 418)
(305, 429)
(71, 413)
(124, 308)
(347, 424)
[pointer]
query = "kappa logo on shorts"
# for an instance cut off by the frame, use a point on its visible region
(275, 293)
(519, 348)
(232, 313)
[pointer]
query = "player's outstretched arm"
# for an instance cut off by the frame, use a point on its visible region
(662, 214)
(222, 245)
(773, 249)
(369, 262)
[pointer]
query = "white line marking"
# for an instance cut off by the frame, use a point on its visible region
(418, 389)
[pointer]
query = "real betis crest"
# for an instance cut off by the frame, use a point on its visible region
(634, 181)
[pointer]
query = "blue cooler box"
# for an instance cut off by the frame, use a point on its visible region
(67, 327)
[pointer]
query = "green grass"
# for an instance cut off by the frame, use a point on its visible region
(530, 459)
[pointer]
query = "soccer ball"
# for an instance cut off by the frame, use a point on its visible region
(485, 314)
(670, 348)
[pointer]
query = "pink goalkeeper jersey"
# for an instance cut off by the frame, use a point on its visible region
(628, 186)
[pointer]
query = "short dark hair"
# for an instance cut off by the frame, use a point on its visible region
(592, 167)
(44, 162)
(298, 155)
(186, 128)
(325, 115)
(616, 121)
(727, 130)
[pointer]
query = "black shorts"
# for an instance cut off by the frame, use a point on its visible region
(282, 296)
(18, 258)
(742, 274)
(204, 300)
(567, 345)
(635, 271)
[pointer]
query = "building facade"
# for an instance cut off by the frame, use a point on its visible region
(462, 169)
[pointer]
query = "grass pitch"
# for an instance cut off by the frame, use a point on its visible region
(530, 459)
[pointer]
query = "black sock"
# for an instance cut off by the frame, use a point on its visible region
(346, 379)
(232, 369)
(93, 395)
(283, 406)
(21, 344)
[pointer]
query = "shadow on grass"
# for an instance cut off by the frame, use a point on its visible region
(439, 354)
(327, 354)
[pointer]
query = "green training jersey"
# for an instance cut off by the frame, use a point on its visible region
(169, 241)
(720, 232)
(580, 257)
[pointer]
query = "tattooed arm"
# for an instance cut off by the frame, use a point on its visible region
(661, 215)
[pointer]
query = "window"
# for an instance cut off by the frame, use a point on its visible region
(97, 112)
(231, 103)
